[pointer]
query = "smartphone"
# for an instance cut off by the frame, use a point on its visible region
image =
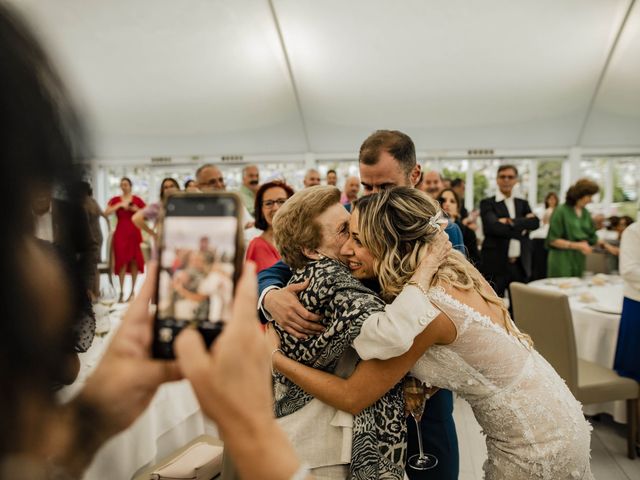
(200, 258)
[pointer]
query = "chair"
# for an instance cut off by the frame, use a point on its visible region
(546, 317)
(200, 459)
(107, 266)
(597, 262)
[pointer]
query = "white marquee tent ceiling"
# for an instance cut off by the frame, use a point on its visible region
(189, 77)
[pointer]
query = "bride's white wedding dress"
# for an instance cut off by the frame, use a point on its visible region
(534, 426)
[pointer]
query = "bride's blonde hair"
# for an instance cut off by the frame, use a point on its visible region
(396, 226)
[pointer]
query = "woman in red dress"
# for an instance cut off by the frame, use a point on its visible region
(269, 198)
(127, 237)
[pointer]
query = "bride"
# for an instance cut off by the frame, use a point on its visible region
(534, 426)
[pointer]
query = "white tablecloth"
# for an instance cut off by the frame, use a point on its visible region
(172, 420)
(596, 331)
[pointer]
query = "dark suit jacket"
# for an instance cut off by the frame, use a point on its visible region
(497, 235)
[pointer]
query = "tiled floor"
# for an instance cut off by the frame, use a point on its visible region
(608, 448)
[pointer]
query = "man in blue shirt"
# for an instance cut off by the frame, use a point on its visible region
(387, 159)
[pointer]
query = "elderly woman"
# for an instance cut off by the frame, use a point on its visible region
(310, 229)
(269, 198)
(571, 232)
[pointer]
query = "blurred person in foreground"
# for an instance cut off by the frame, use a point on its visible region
(41, 137)
(572, 233)
(270, 197)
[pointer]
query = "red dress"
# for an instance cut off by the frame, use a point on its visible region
(127, 237)
(262, 253)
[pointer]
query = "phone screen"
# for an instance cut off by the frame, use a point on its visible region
(199, 260)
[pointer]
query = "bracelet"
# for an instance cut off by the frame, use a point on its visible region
(302, 473)
(273, 372)
(420, 287)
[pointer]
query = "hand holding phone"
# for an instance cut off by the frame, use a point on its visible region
(200, 258)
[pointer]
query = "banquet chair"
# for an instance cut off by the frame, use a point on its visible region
(546, 317)
(107, 266)
(597, 262)
(200, 459)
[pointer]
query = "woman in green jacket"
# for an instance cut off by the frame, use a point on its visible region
(571, 232)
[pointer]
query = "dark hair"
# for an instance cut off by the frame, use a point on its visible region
(168, 179)
(332, 171)
(582, 188)
(628, 220)
(548, 196)
(188, 182)
(456, 182)
(397, 144)
(41, 137)
(126, 179)
(261, 222)
(440, 198)
(508, 167)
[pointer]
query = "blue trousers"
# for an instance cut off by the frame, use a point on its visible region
(627, 361)
(439, 438)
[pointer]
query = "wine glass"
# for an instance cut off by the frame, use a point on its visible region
(416, 395)
(108, 297)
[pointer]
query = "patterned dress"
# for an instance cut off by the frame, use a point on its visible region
(379, 431)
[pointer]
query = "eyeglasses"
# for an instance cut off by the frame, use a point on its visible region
(506, 177)
(271, 203)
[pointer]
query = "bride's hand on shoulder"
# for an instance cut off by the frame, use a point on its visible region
(433, 256)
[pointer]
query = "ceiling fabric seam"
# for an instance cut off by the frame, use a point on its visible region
(603, 72)
(292, 78)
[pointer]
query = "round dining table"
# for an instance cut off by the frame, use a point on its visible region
(596, 306)
(171, 421)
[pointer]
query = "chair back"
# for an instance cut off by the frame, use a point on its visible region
(597, 262)
(546, 317)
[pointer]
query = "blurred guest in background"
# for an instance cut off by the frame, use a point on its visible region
(332, 178)
(458, 185)
(311, 178)
(270, 197)
(627, 361)
(190, 186)
(94, 213)
(250, 184)
(350, 192)
(572, 232)
(40, 136)
(446, 183)
(151, 212)
(432, 181)
(506, 221)
(127, 237)
(209, 179)
(450, 203)
(551, 201)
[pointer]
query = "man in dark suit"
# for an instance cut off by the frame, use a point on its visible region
(506, 222)
(387, 159)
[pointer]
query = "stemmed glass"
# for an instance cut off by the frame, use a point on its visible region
(108, 297)
(416, 395)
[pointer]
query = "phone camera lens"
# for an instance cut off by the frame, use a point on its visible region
(200, 207)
